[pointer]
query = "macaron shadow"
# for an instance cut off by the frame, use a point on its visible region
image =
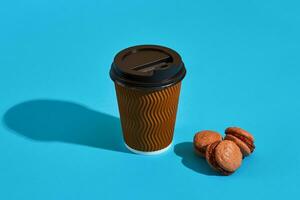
(46, 120)
(198, 164)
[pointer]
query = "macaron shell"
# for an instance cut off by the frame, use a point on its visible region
(204, 138)
(243, 147)
(209, 153)
(240, 131)
(228, 155)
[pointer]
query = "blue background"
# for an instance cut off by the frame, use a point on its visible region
(60, 136)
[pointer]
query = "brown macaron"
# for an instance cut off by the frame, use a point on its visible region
(225, 157)
(242, 138)
(204, 138)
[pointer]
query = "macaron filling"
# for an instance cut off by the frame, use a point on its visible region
(212, 159)
(246, 140)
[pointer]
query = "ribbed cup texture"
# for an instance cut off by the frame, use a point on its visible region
(148, 117)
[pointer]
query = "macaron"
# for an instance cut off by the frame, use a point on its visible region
(242, 138)
(204, 138)
(225, 157)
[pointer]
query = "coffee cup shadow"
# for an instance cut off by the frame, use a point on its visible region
(67, 122)
(191, 160)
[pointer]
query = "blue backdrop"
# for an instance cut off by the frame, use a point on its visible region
(60, 135)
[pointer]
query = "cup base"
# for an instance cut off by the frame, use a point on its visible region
(148, 152)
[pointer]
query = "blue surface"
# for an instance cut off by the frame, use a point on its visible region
(60, 136)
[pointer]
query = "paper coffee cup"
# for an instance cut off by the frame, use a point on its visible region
(147, 81)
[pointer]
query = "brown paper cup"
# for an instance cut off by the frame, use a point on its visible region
(148, 117)
(147, 81)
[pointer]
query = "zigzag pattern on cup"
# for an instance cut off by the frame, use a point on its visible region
(148, 117)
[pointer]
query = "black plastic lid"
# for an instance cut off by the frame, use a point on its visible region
(148, 67)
